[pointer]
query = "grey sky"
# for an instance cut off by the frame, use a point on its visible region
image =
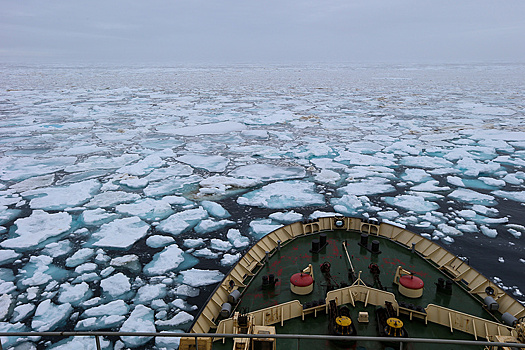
(227, 31)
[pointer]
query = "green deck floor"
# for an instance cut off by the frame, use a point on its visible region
(295, 256)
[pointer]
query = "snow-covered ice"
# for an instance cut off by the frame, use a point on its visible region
(120, 233)
(37, 228)
(167, 260)
(283, 195)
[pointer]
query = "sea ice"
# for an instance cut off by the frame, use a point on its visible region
(57, 249)
(283, 195)
(110, 199)
(96, 323)
(39, 271)
(100, 162)
(116, 307)
(286, 217)
(186, 291)
(147, 209)
(255, 134)
(210, 163)
(236, 239)
(33, 183)
(167, 260)
(449, 230)
(36, 229)
(197, 278)
(5, 305)
(492, 182)
(97, 217)
(367, 187)
(193, 242)
(268, 172)
(143, 167)
(79, 257)
(7, 215)
(430, 186)
(7, 256)
(49, 316)
(120, 233)
(74, 294)
(416, 175)
(174, 169)
(425, 162)
(115, 286)
(21, 312)
(230, 259)
(388, 214)
(220, 245)
(516, 230)
(182, 221)
(260, 228)
(171, 185)
(513, 179)
(205, 129)
(59, 198)
(364, 160)
(473, 197)
(179, 319)
(140, 320)
(129, 262)
(481, 209)
(167, 342)
(205, 253)
(220, 185)
(209, 225)
(467, 228)
(518, 196)
(414, 203)
(159, 241)
(348, 204)
(326, 176)
(489, 232)
(215, 209)
(21, 168)
(86, 267)
(150, 292)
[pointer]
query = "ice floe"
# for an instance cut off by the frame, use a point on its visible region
(49, 316)
(37, 228)
(182, 221)
(116, 286)
(197, 277)
(120, 233)
(167, 260)
(140, 320)
(283, 195)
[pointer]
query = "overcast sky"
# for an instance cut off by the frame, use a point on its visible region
(274, 31)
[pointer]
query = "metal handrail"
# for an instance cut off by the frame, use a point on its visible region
(276, 336)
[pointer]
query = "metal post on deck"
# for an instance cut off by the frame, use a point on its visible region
(267, 258)
(97, 341)
(298, 341)
(279, 245)
(196, 343)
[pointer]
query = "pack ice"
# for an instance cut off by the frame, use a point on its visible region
(126, 197)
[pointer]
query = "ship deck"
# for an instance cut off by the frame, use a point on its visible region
(296, 255)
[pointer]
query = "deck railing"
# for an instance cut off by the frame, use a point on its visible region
(300, 337)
